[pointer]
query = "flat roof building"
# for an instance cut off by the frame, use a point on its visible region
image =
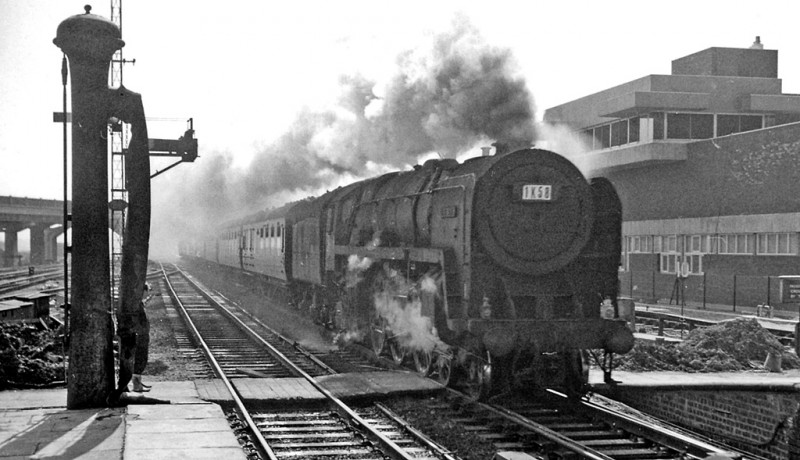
(707, 163)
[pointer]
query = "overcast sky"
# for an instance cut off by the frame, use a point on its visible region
(244, 70)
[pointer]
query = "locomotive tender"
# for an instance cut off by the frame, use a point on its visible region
(494, 269)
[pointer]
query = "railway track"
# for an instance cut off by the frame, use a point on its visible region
(20, 279)
(332, 431)
(547, 425)
(550, 425)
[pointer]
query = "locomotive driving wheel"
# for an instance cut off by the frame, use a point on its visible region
(478, 382)
(422, 361)
(577, 369)
(397, 350)
(442, 368)
(377, 334)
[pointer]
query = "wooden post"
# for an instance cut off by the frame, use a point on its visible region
(768, 291)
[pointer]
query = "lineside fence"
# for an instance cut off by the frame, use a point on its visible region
(733, 291)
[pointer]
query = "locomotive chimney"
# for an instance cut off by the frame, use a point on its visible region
(500, 148)
(504, 147)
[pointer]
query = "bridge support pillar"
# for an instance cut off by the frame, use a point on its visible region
(37, 244)
(12, 256)
(51, 244)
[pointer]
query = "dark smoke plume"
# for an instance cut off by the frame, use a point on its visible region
(446, 98)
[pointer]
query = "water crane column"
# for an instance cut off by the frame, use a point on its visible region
(89, 41)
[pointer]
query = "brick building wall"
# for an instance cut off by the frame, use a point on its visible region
(756, 172)
(753, 279)
(752, 173)
(759, 422)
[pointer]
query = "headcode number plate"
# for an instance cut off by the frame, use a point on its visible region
(536, 192)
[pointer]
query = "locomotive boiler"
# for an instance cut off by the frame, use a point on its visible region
(487, 273)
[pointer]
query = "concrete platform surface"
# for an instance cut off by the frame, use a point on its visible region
(36, 424)
(768, 381)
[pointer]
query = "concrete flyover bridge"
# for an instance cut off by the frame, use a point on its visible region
(40, 217)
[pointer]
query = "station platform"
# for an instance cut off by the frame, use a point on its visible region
(189, 423)
(786, 381)
(37, 424)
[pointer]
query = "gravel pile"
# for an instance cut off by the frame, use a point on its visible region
(737, 345)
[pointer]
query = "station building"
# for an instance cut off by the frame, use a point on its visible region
(706, 161)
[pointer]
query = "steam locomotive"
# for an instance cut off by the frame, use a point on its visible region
(486, 273)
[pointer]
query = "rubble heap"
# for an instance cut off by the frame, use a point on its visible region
(30, 356)
(736, 345)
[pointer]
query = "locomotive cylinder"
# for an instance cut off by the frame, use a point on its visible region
(89, 41)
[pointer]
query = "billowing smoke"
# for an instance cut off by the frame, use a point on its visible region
(446, 98)
(572, 145)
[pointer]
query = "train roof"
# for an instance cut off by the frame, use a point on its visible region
(264, 214)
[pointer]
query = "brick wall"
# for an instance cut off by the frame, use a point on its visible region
(759, 422)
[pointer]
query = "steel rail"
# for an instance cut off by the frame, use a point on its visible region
(541, 430)
(429, 443)
(293, 343)
(658, 433)
(389, 447)
(219, 372)
(284, 360)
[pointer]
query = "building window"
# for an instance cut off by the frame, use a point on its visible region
(690, 126)
(750, 122)
(658, 126)
(695, 248)
(670, 254)
(633, 130)
(602, 137)
(639, 244)
(702, 126)
(657, 244)
(776, 243)
(678, 126)
(739, 243)
(731, 124)
(619, 133)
